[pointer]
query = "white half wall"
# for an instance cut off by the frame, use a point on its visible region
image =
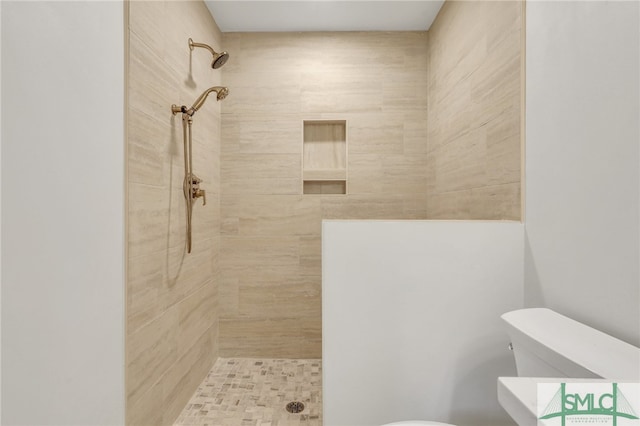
(62, 213)
(411, 319)
(582, 151)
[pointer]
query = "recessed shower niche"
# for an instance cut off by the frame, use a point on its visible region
(324, 157)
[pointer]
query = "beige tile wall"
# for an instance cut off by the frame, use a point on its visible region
(474, 110)
(255, 268)
(172, 297)
(270, 292)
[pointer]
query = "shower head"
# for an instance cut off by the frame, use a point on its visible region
(221, 93)
(219, 59)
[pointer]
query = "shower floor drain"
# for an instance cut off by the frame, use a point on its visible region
(295, 407)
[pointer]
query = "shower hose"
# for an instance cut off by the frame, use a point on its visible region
(187, 185)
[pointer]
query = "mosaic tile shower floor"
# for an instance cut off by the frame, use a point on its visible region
(255, 392)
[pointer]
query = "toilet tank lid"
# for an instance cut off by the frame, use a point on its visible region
(600, 353)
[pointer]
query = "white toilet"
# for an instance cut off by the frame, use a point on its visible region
(548, 345)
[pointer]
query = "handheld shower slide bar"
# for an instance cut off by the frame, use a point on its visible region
(191, 183)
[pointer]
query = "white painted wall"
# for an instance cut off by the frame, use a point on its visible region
(62, 213)
(582, 150)
(411, 319)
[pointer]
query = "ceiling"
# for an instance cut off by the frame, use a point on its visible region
(323, 15)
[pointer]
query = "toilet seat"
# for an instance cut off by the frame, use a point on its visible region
(417, 423)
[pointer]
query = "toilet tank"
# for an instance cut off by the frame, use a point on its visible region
(547, 344)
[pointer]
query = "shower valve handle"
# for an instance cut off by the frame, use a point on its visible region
(201, 193)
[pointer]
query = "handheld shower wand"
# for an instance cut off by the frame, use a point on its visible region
(221, 93)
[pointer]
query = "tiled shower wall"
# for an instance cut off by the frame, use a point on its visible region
(172, 297)
(475, 94)
(271, 284)
(266, 233)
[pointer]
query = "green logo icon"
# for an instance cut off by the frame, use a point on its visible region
(585, 405)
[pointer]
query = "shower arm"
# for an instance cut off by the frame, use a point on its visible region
(193, 44)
